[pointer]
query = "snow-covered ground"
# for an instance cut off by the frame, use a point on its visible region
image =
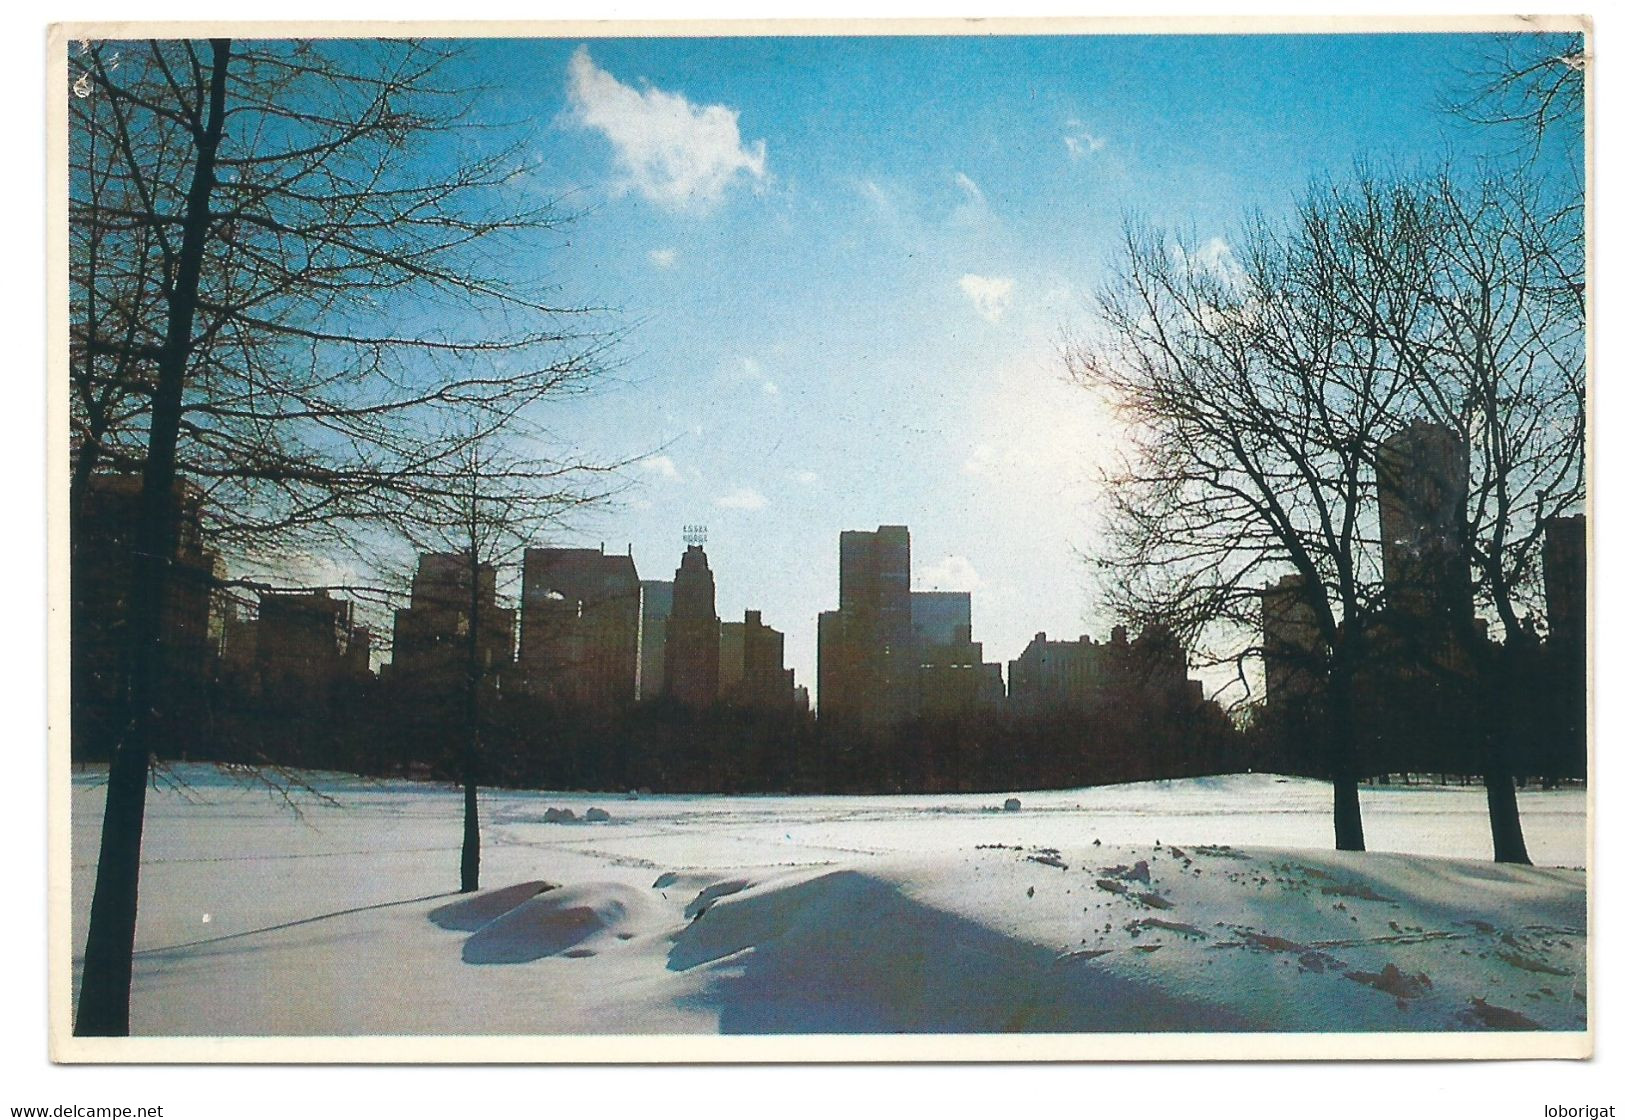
(1200, 905)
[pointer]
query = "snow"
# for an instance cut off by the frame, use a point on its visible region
(1212, 905)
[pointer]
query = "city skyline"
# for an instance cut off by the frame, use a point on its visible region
(845, 268)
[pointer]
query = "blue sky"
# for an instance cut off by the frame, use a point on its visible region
(846, 266)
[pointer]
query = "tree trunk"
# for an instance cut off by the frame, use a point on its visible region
(472, 679)
(104, 990)
(83, 468)
(1347, 826)
(1500, 790)
(471, 829)
(1505, 828)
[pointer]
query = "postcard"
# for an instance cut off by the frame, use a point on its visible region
(902, 541)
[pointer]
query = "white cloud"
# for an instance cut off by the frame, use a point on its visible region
(1059, 297)
(951, 573)
(742, 369)
(985, 459)
(305, 570)
(989, 294)
(1231, 317)
(663, 258)
(807, 478)
(662, 466)
(974, 211)
(674, 153)
(874, 192)
(743, 498)
(1214, 256)
(1080, 143)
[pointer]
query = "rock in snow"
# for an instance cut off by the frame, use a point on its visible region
(1012, 804)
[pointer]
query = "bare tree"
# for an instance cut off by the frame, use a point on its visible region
(1256, 412)
(1532, 84)
(475, 514)
(1497, 357)
(1513, 338)
(1266, 390)
(290, 262)
(339, 254)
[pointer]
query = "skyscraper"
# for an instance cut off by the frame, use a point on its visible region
(953, 681)
(1563, 564)
(938, 616)
(1421, 503)
(1563, 560)
(867, 665)
(307, 640)
(431, 635)
(1054, 676)
(105, 534)
(578, 636)
(751, 666)
(1148, 674)
(836, 703)
(1293, 647)
(656, 609)
(692, 632)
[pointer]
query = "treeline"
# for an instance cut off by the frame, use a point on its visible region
(384, 728)
(1407, 723)
(1533, 702)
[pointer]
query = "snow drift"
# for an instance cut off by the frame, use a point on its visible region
(1081, 913)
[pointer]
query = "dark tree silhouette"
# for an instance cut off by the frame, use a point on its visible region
(1255, 413)
(1499, 360)
(1264, 388)
(267, 239)
(478, 509)
(1532, 85)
